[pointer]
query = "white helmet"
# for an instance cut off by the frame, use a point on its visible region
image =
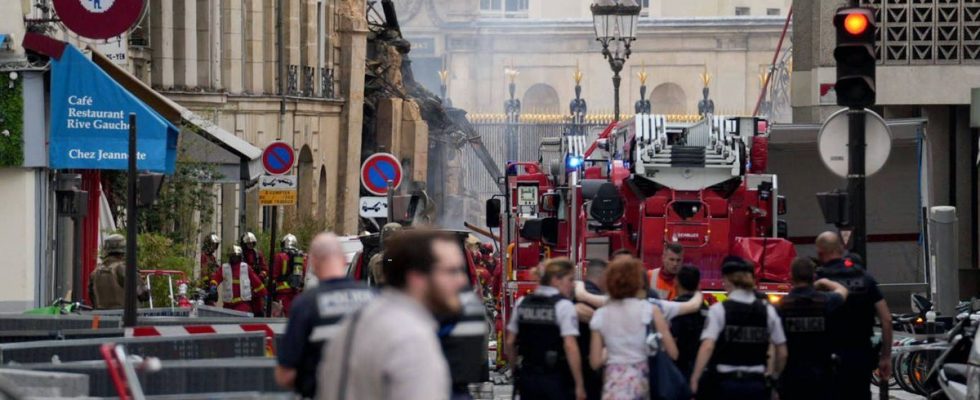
(289, 241)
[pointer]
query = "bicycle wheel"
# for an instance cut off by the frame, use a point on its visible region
(921, 363)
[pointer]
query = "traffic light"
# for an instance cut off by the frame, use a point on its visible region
(855, 55)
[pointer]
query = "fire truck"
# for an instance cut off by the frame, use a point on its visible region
(645, 182)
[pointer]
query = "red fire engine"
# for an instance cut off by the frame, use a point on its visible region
(643, 183)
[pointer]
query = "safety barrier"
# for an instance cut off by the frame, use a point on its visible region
(61, 334)
(186, 377)
(202, 312)
(20, 322)
(252, 344)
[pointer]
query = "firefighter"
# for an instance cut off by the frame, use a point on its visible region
(662, 279)
(316, 314)
(253, 257)
(108, 280)
(852, 325)
(236, 283)
(735, 341)
(805, 312)
(543, 333)
(209, 262)
(288, 271)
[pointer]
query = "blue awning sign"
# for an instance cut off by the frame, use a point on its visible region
(90, 121)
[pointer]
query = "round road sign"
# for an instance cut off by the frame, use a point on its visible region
(277, 158)
(99, 19)
(833, 138)
(377, 170)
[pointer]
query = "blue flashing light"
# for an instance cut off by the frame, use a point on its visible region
(573, 162)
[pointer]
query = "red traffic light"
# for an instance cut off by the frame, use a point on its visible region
(856, 23)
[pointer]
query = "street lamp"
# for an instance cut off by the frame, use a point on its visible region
(615, 27)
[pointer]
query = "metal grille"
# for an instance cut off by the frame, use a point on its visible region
(326, 83)
(165, 348)
(292, 80)
(926, 31)
(476, 179)
(308, 81)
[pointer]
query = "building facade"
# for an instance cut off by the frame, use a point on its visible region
(546, 41)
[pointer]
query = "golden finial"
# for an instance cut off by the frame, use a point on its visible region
(444, 76)
(511, 73)
(578, 74)
(763, 76)
(643, 73)
(705, 76)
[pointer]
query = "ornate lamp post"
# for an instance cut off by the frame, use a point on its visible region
(642, 105)
(443, 78)
(706, 106)
(512, 107)
(615, 27)
(577, 107)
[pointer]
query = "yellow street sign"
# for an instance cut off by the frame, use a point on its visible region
(277, 197)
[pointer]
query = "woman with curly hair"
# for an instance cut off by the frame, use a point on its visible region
(619, 332)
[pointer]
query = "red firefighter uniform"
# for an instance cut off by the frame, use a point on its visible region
(253, 257)
(209, 264)
(288, 271)
(237, 286)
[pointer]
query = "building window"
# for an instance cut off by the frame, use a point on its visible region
(741, 11)
(772, 11)
(504, 7)
(644, 7)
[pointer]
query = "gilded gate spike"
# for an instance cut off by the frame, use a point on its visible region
(705, 77)
(643, 73)
(578, 74)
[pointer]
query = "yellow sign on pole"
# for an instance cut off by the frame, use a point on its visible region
(277, 197)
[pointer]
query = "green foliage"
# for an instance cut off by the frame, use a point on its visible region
(303, 228)
(160, 252)
(12, 120)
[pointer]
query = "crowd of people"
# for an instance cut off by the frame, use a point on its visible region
(601, 338)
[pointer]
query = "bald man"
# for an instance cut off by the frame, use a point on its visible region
(316, 314)
(852, 325)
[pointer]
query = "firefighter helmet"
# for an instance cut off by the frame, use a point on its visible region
(289, 241)
(248, 238)
(390, 227)
(114, 244)
(211, 242)
(236, 251)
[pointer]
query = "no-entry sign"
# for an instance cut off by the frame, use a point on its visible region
(377, 170)
(277, 158)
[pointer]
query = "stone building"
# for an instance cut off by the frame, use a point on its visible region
(546, 40)
(223, 60)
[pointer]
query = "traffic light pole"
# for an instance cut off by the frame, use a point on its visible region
(856, 147)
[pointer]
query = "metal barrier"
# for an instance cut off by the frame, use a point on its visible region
(20, 322)
(186, 378)
(202, 311)
(165, 348)
(61, 334)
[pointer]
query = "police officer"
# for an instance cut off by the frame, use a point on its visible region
(735, 342)
(237, 284)
(315, 316)
(805, 311)
(253, 257)
(288, 272)
(463, 338)
(686, 329)
(108, 280)
(852, 325)
(541, 338)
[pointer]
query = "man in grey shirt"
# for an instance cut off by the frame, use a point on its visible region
(389, 350)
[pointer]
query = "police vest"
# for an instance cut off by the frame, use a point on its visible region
(539, 340)
(464, 342)
(853, 323)
(744, 340)
(291, 275)
(229, 280)
(686, 330)
(805, 323)
(333, 301)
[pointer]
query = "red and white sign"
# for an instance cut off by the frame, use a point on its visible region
(277, 158)
(377, 170)
(99, 19)
(270, 331)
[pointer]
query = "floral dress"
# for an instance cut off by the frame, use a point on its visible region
(623, 326)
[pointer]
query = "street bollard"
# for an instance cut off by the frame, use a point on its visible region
(944, 271)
